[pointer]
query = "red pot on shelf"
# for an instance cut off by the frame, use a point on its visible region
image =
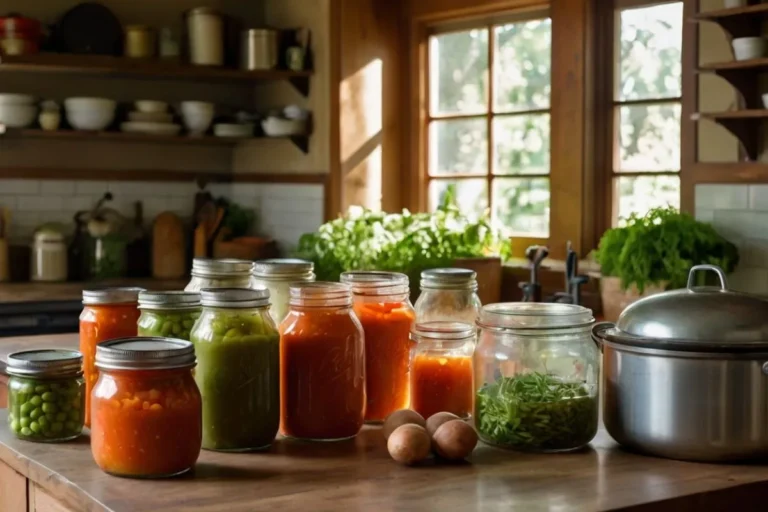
(19, 35)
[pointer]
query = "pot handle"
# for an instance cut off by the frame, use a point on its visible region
(714, 268)
(597, 332)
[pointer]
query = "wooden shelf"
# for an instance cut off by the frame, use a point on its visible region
(745, 65)
(738, 21)
(743, 124)
(105, 65)
(742, 75)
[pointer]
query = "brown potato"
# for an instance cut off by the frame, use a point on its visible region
(454, 440)
(409, 444)
(437, 419)
(401, 417)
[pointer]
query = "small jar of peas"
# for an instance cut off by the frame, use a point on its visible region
(168, 314)
(46, 395)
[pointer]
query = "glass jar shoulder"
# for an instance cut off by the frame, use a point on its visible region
(447, 305)
(175, 323)
(217, 325)
(198, 283)
(307, 323)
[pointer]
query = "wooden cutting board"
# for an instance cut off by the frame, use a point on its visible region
(168, 247)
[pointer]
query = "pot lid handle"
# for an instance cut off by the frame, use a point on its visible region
(714, 268)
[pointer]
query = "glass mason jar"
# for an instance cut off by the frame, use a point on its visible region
(277, 275)
(238, 372)
(169, 314)
(441, 368)
(222, 273)
(322, 364)
(108, 313)
(147, 411)
(380, 301)
(448, 295)
(46, 395)
(536, 376)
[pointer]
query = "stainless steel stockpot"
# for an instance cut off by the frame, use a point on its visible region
(685, 373)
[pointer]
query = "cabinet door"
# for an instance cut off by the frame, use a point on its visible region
(41, 501)
(13, 490)
(3, 391)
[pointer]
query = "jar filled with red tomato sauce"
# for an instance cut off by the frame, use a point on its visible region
(441, 368)
(146, 408)
(322, 364)
(108, 313)
(380, 301)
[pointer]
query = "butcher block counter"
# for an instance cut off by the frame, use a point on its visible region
(358, 475)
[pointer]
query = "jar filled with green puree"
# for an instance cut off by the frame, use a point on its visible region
(46, 395)
(238, 369)
(168, 314)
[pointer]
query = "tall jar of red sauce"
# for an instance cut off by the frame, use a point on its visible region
(380, 301)
(441, 368)
(107, 314)
(322, 364)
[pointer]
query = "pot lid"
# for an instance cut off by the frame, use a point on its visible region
(701, 318)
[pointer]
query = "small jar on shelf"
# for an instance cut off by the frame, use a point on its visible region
(46, 395)
(219, 273)
(441, 368)
(147, 410)
(448, 295)
(277, 275)
(536, 377)
(170, 314)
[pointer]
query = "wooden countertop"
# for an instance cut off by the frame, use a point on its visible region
(358, 475)
(31, 292)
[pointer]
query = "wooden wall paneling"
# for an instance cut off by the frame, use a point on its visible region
(435, 10)
(690, 90)
(333, 189)
(13, 490)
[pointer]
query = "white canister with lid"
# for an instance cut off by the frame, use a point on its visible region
(205, 27)
(49, 256)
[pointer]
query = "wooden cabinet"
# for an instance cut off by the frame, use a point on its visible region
(13, 490)
(41, 501)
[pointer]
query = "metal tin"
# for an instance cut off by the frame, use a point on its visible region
(148, 353)
(533, 317)
(169, 300)
(259, 49)
(47, 363)
(206, 267)
(449, 279)
(105, 296)
(364, 282)
(235, 298)
(283, 268)
(442, 331)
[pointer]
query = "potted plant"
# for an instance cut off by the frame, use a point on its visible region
(655, 252)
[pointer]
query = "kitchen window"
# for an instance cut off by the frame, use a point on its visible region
(488, 122)
(646, 109)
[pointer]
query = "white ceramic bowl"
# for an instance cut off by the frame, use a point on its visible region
(16, 99)
(151, 106)
(746, 48)
(197, 116)
(279, 127)
(233, 130)
(90, 113)
(17, 116)
(150, 117)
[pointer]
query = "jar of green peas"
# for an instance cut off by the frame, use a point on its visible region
(168, 314)
(46, 395)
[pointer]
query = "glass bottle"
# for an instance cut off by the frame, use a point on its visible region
(238, 357)
(46, 395)
(277, 275)
(536, 376)
(381, 303)
(448, 295)
(170, 314)
(441, 368)
(146, 408)
(108, 313)
(221, 273)
(322, 364)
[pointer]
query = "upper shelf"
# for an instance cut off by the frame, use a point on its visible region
(742, 75)
(738, 21)
(105, 65)
(743, 124)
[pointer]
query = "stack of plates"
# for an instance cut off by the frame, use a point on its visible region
(151, 118)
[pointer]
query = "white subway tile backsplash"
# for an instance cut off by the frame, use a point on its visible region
(57, 187)
(8, 201)
(754, 253)
(19, 187)
(91, 187)
(758, 197)
(705, 214)
(749, 280)
(41, 204)
(741, 224)
(722, 197)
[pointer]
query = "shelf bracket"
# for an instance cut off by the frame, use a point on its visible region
(301, 84)
(746, 133)
(301, 142)
(745, 85)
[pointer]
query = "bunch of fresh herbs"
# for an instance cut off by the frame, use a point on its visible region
(661, 247)
(536, 411)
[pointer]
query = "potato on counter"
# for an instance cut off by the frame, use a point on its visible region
(454, 440)
(437, 419)
(409, 444)
(401, 417)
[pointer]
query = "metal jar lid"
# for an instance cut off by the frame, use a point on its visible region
(107, 296)
(442, 331)
(235, 298)
(207, 267)
(149, 353)
(449, 279)
(283, 268)
(373, 282)
(530, 317)
(169, 300)
(320, 294)
(695, 318)
(47, 363)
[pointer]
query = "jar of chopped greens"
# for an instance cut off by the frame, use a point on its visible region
(238, 369)
(46, 395)
(277, 275)
(168, 314)
(536, 373)
(219, 273)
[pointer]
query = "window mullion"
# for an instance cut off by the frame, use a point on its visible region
(489, 118)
